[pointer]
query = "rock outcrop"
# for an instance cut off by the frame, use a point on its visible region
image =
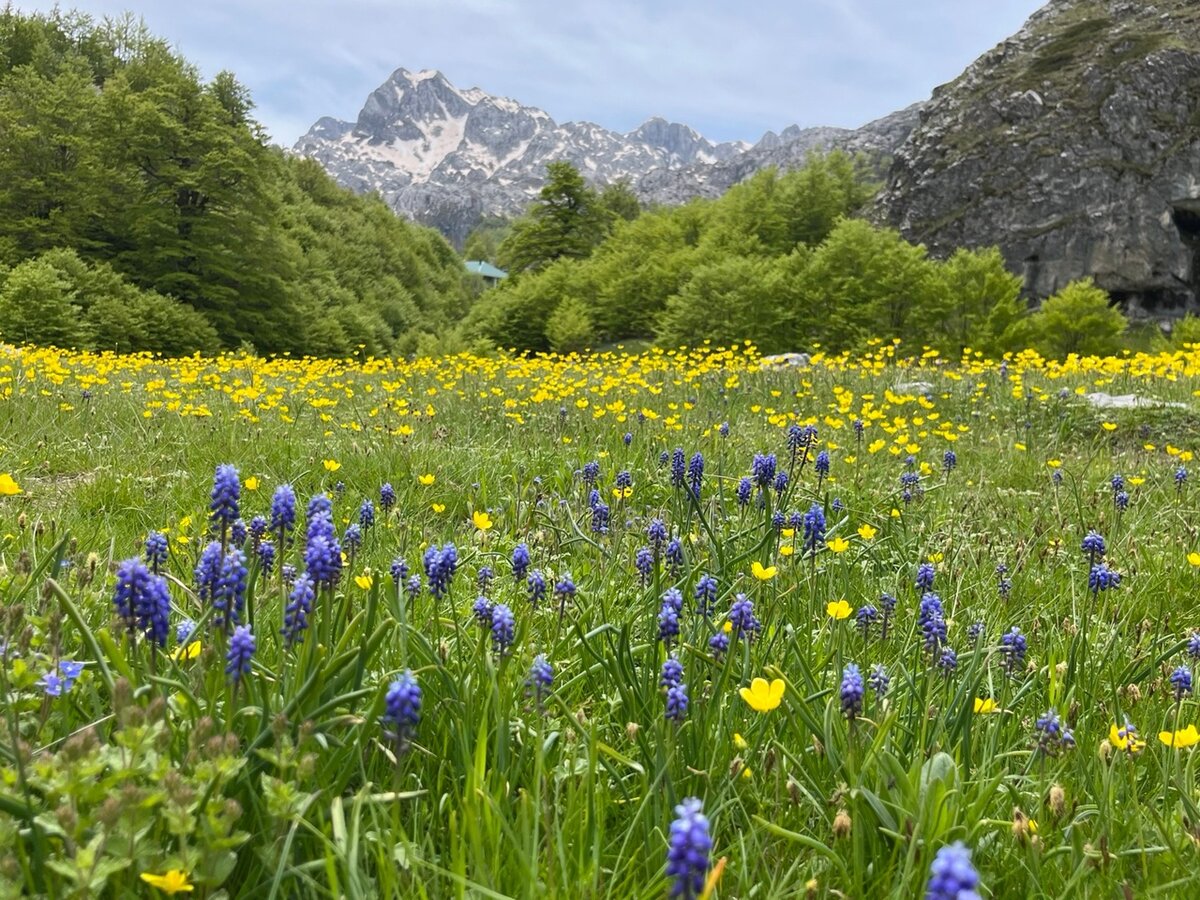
(1074, 145)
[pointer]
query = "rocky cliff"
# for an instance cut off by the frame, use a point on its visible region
(1075, 146)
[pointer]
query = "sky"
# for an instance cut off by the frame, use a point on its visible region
(732, 69)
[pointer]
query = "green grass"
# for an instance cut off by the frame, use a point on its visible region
(287, 785)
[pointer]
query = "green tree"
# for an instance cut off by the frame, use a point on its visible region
(1077, 320)
(567, 221)
(38, 306)
(982, 302)
(729, 299)
(569, 326)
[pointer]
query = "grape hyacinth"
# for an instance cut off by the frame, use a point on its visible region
(352, 539)
(1102, 578)
(241, 652)
(481, 610)
(484, 578)
(741, 617)
(503, 628)
(671, 674)
(226, 492)
(283, 512)
(184, 631)
(706, 595)
(1012, 649)
(1093, 545)
(865, 618)
(238, 533)
(536, 586)
(656, 534)
(762, 470)
(696, 473)
(297, 611)
(814, 528)
(229, 597)
(1181, 682)
(677, 467)
(643, 561)
(399, 570)
(851, 691)
(266, 558)
(520, 561)
(925, 577)
(540, 680)
(951, 876)
(744, 488)
(142, 601)
(674, 556)
(156, 551)
(677, 703)
(688, 850)
(366, 514)
(440, 565)
(564, 590)
(402, 710)
(256, 530)
(948, 661)
(719, 644)
(1051, 735)
(1193, 645)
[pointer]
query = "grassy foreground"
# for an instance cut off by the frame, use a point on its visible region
(306, 768)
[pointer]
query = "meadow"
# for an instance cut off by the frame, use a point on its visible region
(660, 624)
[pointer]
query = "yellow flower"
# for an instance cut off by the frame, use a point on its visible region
(191, 651)
(174, 882)
(838, 545)
(481, 519)
(251, 483)
(1054, 463)
(8, 487)
(838, 609)
(986, 706)
(365, 580)
(1108, 426)
(866, 532)
(623, 492)
(1125, 739)
(761, 572)
(438, 507)
(332, 465)
(1194, 558)
(746, 773)
(426, 479)
(1136, 481)
(788, 532)
(787, 550)
(763, 696)
(739, 742)
(1188, 737)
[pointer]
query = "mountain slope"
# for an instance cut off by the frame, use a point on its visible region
(1075, 146)
(447, 157)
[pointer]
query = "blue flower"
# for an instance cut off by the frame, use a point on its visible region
(299, 607)
(184, 631)
(540, 679)
(156, 550)
(1181, 681)
(1102, 578)
(951, 876)
(1051, 735)
(706, 594)
(1193, 645)
(503, 627)
(387, 497)
(688, 849)
(238, 533)
(672, 673)
(352, 539)
(536, 584)
(266, 557)
(821, 464)
(656, 533)
(674, 556)
(814, 528)
(851, 691)
(366, 514)
(677, 467)
(926, 573)
(668, 624)
(226, 492)
(590, 473)
(229, 597)
(520, 561)
(402, 709)
(741, 617)
(1093, 545)
(241, 652)
(949, 460)
(142, 601)
(643, 561)
(1012, 648)
(762, 470)
(256, 530)
(283, 512)
(677, 703)
(745, 486)
(948, 661)
(865, 618)
(440, 566)
(719, 644)
(600, 513)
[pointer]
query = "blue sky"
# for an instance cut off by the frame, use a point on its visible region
(730, 69)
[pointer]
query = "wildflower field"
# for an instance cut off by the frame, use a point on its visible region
(671, 624)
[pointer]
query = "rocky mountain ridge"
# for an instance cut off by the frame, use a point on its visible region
(449, 157)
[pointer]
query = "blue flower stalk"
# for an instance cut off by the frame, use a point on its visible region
(952, 876)
(402, 710)
(688, 850)
(540, 681)
(241, 651)
(223, 505)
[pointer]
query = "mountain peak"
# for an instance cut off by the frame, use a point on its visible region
(448, 156)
